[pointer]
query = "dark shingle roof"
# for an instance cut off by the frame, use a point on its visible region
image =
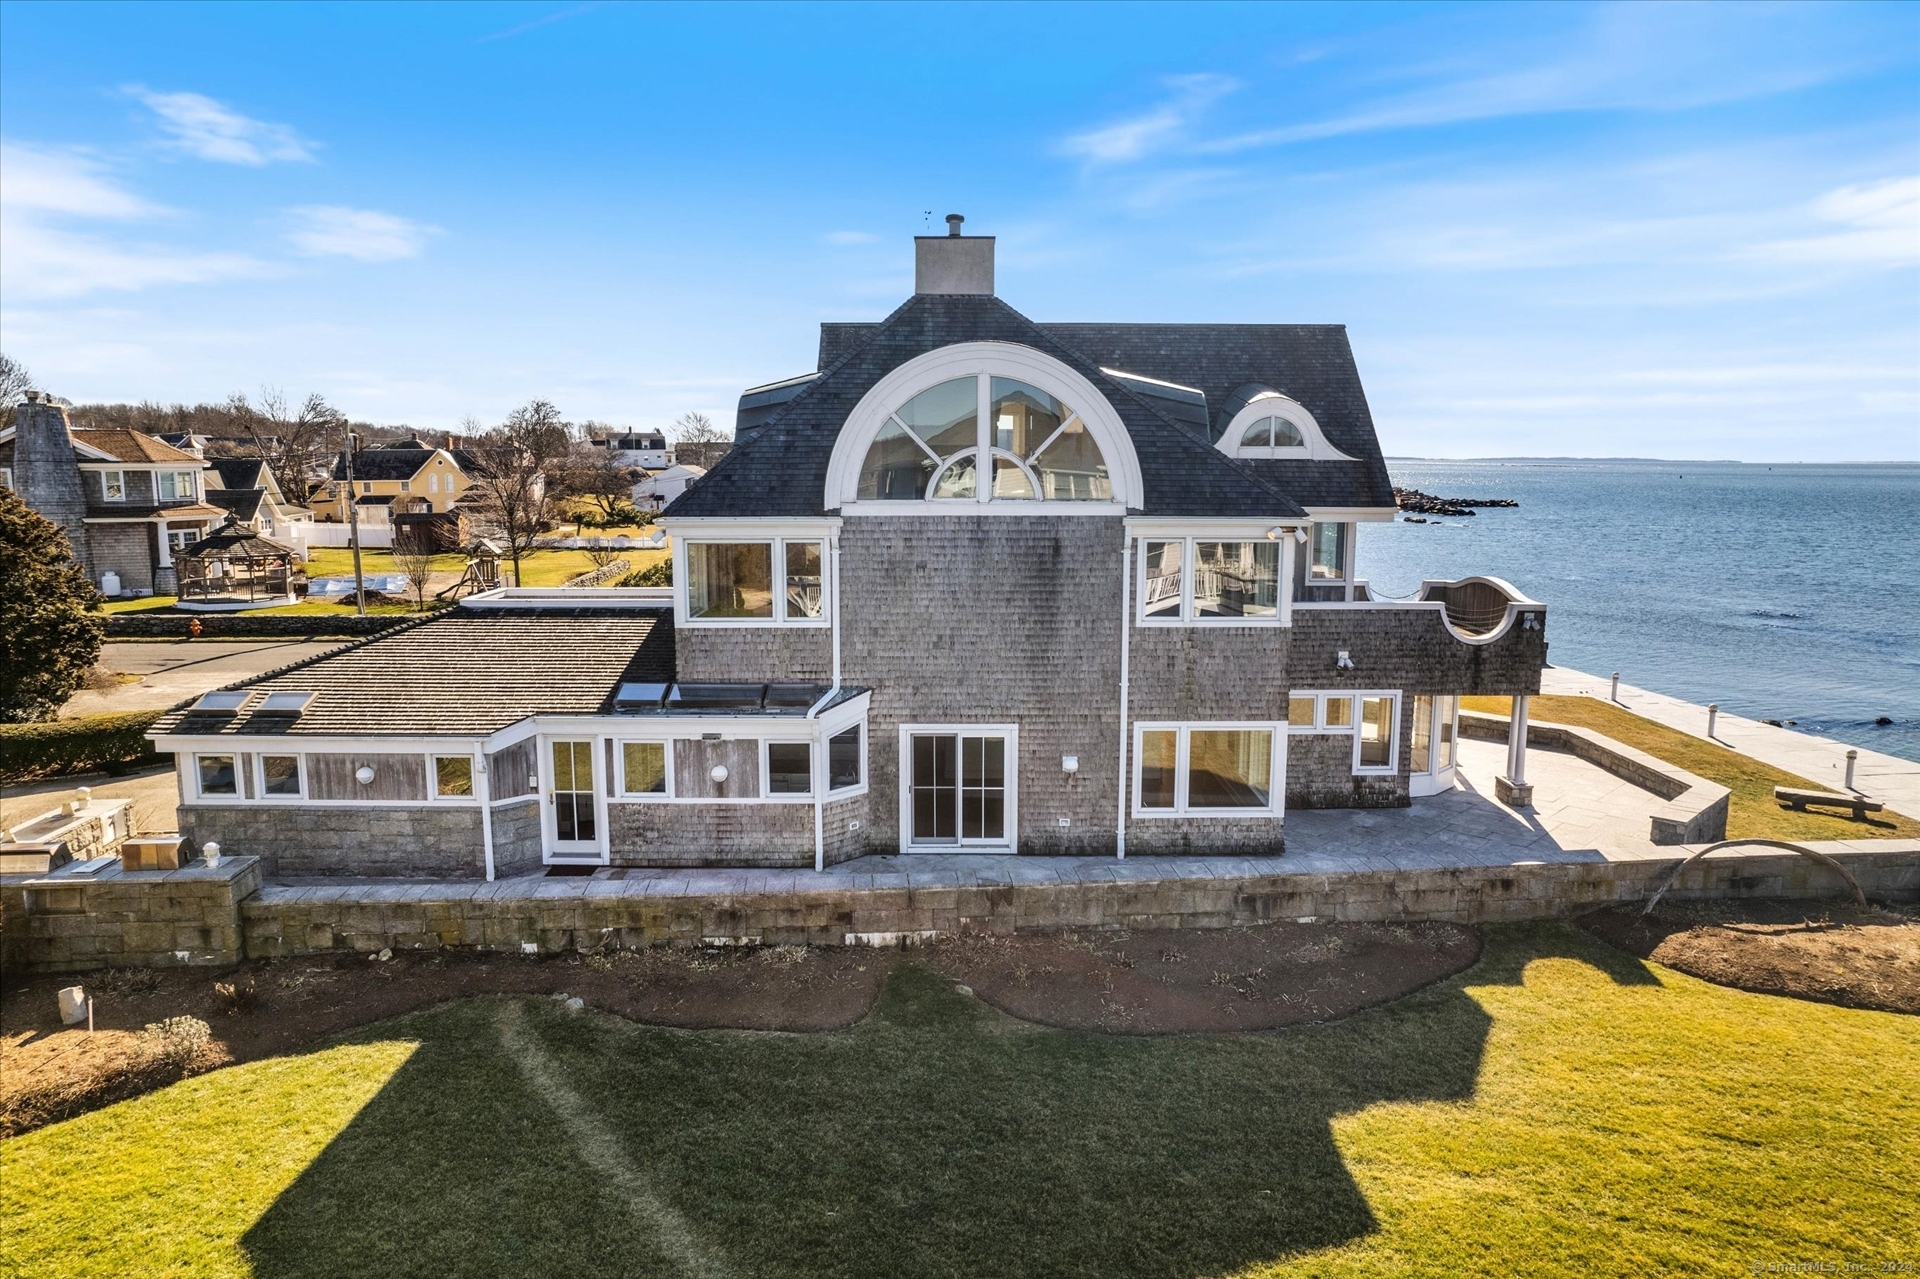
(394, 462)
(243, 504)
(467, 672)
(238, 472)
(1312, 363)
(781, 469)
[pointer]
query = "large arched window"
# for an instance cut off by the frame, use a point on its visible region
(983, 422)
(931, 447)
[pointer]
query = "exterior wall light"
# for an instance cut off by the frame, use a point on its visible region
(364, 774)
(1069, 763)
(719, 773)
(210, 851)
(1344, 661)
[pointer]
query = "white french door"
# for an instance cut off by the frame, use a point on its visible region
(573, 803)
(1435, 732)
(957, 788)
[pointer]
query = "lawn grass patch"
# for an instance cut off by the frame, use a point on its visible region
(140, 604)
(1558, 1109)
(1752, 813)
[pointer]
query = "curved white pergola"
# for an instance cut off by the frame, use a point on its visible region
(1007, 359)
(1273, 404)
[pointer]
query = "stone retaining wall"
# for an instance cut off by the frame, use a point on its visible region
(126, 919)
(159, 625)
(557, 915)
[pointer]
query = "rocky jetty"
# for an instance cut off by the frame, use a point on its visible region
(1427, 504)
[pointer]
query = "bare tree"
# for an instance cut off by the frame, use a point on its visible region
(596, 474)
(697, 428)
(516, 475)
(15, 381)
(415, 560)
(601, 551)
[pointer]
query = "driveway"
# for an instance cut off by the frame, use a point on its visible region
(170, 671)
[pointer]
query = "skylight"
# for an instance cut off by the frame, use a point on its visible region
(291, 705)
(221, 703)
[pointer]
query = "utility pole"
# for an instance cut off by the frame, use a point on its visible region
(353, 528)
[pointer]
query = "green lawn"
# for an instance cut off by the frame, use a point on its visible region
(1752, 812)
(1558, 1109)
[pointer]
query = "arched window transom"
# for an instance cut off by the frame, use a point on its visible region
(931, 448)
(1275, 426)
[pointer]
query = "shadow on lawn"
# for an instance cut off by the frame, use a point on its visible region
(936, 1137)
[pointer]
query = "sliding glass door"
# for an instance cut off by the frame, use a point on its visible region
(958, 790)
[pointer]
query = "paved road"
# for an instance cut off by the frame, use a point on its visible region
(172, 671)
(1821, 760)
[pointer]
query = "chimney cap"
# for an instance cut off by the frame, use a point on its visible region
(953, 223)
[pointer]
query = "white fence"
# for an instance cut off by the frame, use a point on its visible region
(316, 534)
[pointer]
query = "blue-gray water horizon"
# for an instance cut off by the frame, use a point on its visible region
(1784, 591)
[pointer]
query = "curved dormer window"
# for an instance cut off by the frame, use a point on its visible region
(1273, 426)
(930, 448)
(984, 422)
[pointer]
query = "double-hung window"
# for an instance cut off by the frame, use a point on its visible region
(113, 486)
(1231, 770)
(777, 581)
(176, 486)
(1203, 581)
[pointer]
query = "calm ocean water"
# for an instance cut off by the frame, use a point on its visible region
(1780, 592)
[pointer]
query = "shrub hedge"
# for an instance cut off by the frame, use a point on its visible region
(91, 743)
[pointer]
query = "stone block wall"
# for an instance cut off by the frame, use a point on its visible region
(417, 842)
(518, 838)
(126, 919)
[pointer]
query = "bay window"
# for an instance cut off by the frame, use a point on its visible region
(1202, 580)
(844, 751)
(778, 580)
(1224, 769)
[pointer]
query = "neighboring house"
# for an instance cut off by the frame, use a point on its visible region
(976, 584)
(128, 501)
(653, 492)
(245, 488)
(423, 479)
(645, 449)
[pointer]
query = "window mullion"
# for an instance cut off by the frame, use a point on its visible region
(1182, 752)
(779, 580)
(983, 438)
(1189, 562)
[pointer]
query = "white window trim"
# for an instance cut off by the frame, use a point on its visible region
(1006, 359)
(1392, 765)
(683, 581)
(1189, 559)
(260, 777)
(109, 480)
(1320, 724)
(627, 796)
(192, 487)
(826, 765)
(433, 778)
(1349, 552)
(1277, 762)
(767, 792)
(1273, 404)
(1011, 732)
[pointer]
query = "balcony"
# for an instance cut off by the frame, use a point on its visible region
(1475, 635)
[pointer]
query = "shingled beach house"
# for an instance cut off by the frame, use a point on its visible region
(976, 583)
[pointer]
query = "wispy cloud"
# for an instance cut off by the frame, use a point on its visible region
(520, 28)
(1882, 221)
(210, 130)
(42, 255)
(365, 235)
(1164, 125)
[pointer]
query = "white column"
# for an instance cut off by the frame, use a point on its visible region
(1126, 635)
(1517, 741)
(1287, 557)
(484, 793)
(166, 551)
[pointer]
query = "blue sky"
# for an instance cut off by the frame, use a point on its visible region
(1688, 231)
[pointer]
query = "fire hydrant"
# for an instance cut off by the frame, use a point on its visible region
(193, 629)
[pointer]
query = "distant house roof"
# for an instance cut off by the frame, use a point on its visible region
(133, 446)
(466, 672)
(394, 461)
(238, 472)
(242, 504)
(235, 541)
